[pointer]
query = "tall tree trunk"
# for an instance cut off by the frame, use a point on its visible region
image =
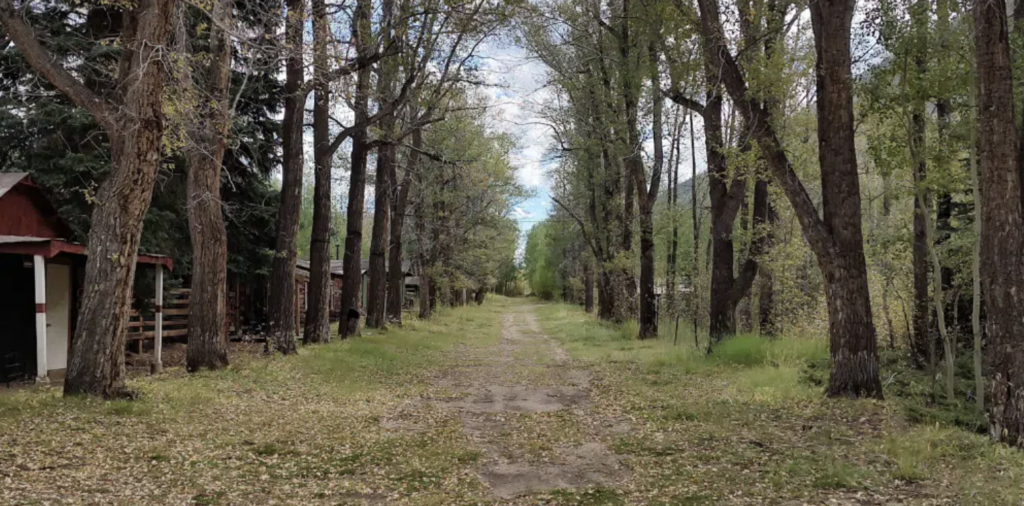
(281, 310)
(648, 197)
(588, 285)
(725, 203)
(605, 209)
(921, 351)
(852, 333)
(726, 200)
(1002, 238)
(979, 376)
(353, 277)
(923, 209)
(318, 311)
(923, 347)
(939, 232)
(207, 332)
(671, 267)
(135, 125)
(837, 239)
(695, 272)
(632, 162)
(775, 28)
(376, 288)
(383, 193)
(886, 267)
(396, 274)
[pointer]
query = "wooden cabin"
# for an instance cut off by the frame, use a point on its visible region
(249, 296)
(43, 273)
(411, 282)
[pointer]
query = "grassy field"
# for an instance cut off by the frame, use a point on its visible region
(388, 418)
(747, 424)
(289, 430)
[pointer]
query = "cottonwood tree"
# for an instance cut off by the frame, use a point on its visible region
(464, 192)
(281, 311)
(209, 120)
(133, 119)
(590, 121)
(437, 62)
(362, 35)
(282, 308)
(376, 290)
(732, 168)
(648, 198)
(1002, 221)
(836, 237)
(318, 322)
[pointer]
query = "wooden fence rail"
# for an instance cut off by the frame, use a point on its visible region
(142, 327)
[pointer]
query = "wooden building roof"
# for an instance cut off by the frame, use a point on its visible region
(30, 225)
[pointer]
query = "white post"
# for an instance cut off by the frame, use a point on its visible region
(158, 330)
(39, 268)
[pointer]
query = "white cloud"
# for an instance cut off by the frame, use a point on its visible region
(519, 212)
(516, 92)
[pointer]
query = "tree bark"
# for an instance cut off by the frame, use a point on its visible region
(695, 272)
(207, 332)
(353, 277)
(135, 125)
(1002, 238)
(923, 347)
(588, 286)
(852, 333)
(766, 304)
(318, 312)
(632, 162)
(726, 200)
(425, 300)
(672, 262)
(281, 310)
(376, 289)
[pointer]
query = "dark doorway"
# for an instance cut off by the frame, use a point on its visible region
(17, 316)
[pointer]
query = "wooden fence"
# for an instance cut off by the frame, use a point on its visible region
(143, 327)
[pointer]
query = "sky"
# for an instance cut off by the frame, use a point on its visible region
(516, 91)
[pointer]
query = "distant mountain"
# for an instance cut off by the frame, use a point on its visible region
(683, 192)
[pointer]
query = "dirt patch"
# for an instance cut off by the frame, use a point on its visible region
(581, 466)
(520, 399)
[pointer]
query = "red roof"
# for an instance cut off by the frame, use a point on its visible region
(50, 248)
(29, 224)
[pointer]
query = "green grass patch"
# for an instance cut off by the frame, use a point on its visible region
(751, 416)
(267, 429)
(835, 474)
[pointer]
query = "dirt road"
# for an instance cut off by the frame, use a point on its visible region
(527, 410)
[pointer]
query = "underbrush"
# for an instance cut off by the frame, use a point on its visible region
(920, 396)
(591, 339)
